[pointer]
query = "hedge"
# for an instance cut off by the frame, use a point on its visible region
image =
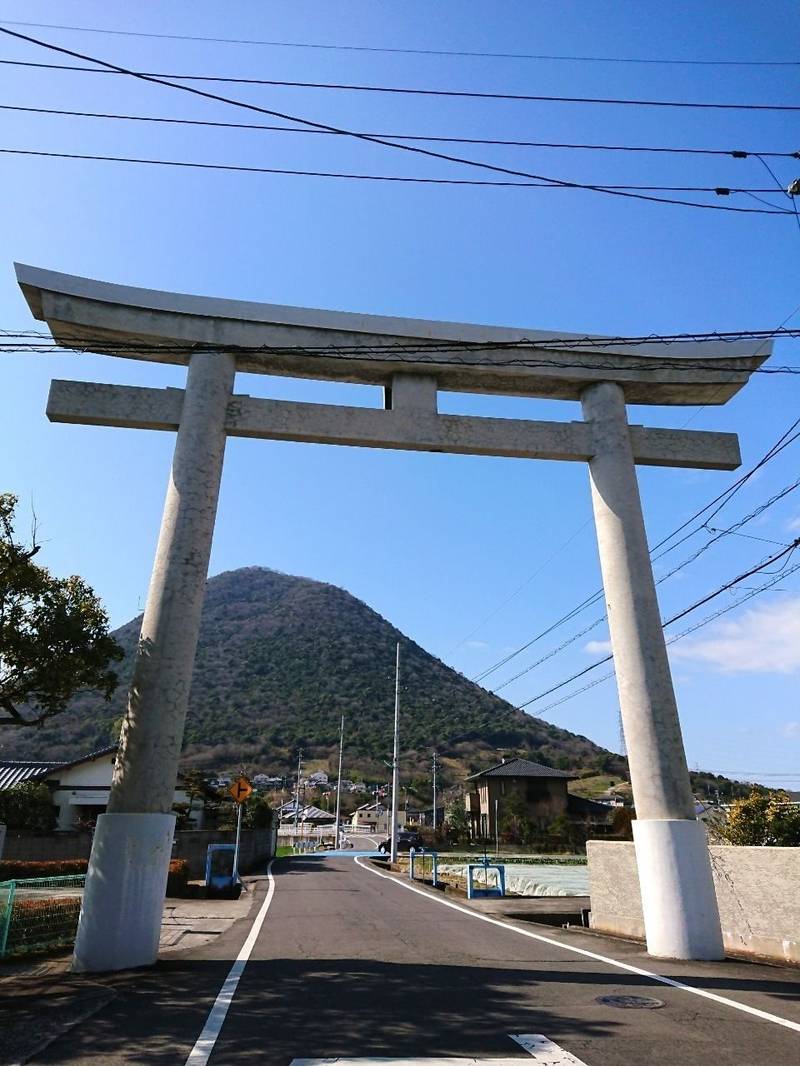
(178, 878)
(20, 870)
(39, 923)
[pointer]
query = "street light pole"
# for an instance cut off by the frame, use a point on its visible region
(395, 759)
(339, 786)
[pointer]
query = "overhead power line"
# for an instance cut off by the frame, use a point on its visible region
(415, 51)
(714, 506)
(555, 343)
(415, 149)
(734, 153)
(787, 551)
(717, 536)
(679, 636)
(86, 344)
(405, 90)
(402, 179)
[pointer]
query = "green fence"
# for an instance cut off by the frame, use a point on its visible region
(39, 912)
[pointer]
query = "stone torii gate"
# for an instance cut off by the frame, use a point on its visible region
(124, 895)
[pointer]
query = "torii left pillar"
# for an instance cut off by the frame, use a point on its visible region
(123, 900)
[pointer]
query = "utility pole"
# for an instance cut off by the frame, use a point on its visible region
(339, 787)
(395, 759)
(297, 792)
(434, 792)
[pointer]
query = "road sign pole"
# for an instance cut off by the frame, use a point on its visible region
(235, 876)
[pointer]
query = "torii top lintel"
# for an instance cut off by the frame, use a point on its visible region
(369, 349)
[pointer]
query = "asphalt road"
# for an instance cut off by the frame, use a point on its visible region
(351, 964)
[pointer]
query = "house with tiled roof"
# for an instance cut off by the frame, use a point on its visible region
(542, 789)
(79, 787)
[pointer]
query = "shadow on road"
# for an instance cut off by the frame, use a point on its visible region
(287, 1009)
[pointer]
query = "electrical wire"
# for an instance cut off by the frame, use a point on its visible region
(416, 149)
(787, 551)
(718, 502)
(675, 638)
(241, 168)
(718, 536)
(553, 342)
(412, 51)
(734, 153)
(402, 90)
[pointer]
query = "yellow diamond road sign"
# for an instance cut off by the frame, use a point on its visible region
(240, 789)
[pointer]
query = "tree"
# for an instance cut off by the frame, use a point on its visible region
(761, 819)
(54, 638)
(456, 822)
(28, 806)
(193, 783)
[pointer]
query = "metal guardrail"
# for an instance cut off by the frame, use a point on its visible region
(39, 912)
(422, 854)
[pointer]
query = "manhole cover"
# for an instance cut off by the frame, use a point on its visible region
(631, 1002)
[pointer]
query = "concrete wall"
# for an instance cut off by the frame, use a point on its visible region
(256, 849)
(757, 893)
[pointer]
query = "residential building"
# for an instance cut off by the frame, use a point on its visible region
(80, 787)
(542, 789)
(375, 816)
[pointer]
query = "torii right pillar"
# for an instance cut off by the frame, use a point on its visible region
(681, 915)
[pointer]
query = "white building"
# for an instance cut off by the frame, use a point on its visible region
(80, 787)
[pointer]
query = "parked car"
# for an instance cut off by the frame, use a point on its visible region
(406, 840)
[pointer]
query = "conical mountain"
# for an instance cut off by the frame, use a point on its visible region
(281, 658)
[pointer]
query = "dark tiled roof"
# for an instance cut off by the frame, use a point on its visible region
(579, 805)
(13, 771)
(520, 768)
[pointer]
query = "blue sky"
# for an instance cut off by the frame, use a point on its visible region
(434, 543)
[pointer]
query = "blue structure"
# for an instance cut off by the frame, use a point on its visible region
(413, 854)
(219, 868)
(486, 892)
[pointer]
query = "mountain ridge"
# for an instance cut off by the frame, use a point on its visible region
(281, 658)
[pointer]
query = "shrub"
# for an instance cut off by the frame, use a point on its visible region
(21, 869)
(43, 922)
(28, 806)
(178, 878)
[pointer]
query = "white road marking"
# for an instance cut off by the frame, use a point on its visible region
(545, 1052)
(615, 963)
(433, 1061)
(201, 1052)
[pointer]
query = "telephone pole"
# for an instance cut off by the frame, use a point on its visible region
(434, 792)
(339, 786)
(395, 760)
(297, 792)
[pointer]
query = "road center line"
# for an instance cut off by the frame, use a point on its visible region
(201, 1052)
(615, 963)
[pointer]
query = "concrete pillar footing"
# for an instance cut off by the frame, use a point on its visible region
(126, 883)
(681, 917)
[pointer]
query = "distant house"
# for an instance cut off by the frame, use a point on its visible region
(319, 777)
(542, 789)
(374, 816)
(264, 781)
(80, 787)
(305, 813)
(424, 816)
